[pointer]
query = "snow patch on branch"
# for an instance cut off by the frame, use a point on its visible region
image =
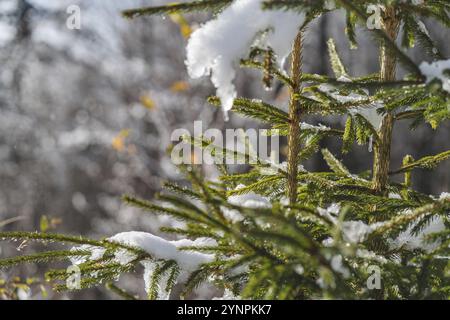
(436, 70)
(160, 248)
(352, 231)
(216, 48)
(369, 111)
(319, 127)
(412, 241)
(249, 200)
(444, 195)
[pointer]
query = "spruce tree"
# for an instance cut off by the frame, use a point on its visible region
(280, 231)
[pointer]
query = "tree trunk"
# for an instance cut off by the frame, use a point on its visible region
(383, 147)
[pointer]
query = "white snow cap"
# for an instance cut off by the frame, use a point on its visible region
(217, 46)
(352, 231)
(406, 239)
(435, 70)
(247, 200)
(161, 248)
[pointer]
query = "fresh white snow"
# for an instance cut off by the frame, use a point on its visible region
(369, 112)
(407, 240)
(435, 70)
(248, 200)
(160, 248)
(216, 47)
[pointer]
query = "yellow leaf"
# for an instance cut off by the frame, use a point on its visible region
(148, 102)
(178, 86)
(118, 142)
(44, 224)
(434, 124)
(185, 28)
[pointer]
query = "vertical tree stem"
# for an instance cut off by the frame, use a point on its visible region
(382, 152)
(294, 118)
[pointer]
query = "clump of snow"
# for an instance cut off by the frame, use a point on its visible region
(331, 212)
(319, 127)
(370, 255)
(96, 254)
(232, 215)
(24, 293)
(248, 200)
(344, 79)
(217, 46)
(124, 256)
(352, 231)
(369, 111)
(435, 70)
(444, 195)
(160, 248)
(355, 231)
(393, 195)
(328, 242)
(149, 269)
(407, 240)
(338, 266)
(299, 269)
(274, 168)
(423, 28)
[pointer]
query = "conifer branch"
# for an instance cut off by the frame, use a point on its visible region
(59, 238)
(176, 8)
(408, 114)
(48, 237)
(401, 221)
(334, 164)
(277, 73)
(336, 62)
(385, 37)
(119, 291)
(428, 162)
(256, 109)
(43, 257)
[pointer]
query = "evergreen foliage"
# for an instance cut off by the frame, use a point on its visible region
(311, 234)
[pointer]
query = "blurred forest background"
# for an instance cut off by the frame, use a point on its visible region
(86, 115)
